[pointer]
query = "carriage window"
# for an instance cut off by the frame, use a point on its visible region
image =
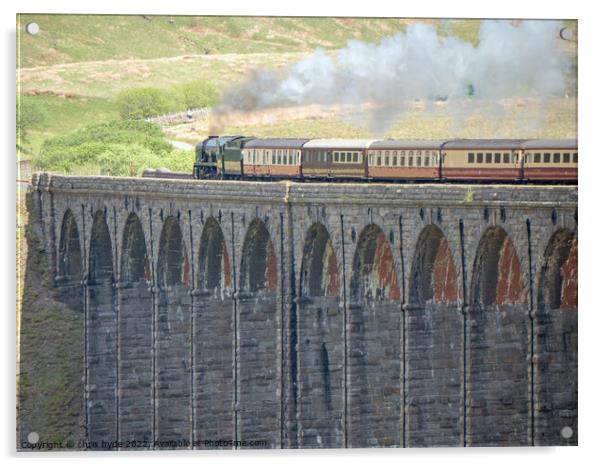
(417, 160)
(566, 158)
(349, 156)
(273, 158)
(498, 157)
(336, 156)
(574, 157)
(402, 161)
(506, 157)
(546, 157)
(479, 157)
(418, 152)
(537, 158)
(556, 157)
(410, 161)
(371, 159)
(488, 157)
(356, 157)
(378, 160)
(471, 157)
(387, 160)
(527, 157)
(394, 159)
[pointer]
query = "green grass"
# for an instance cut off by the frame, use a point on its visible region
(77, 38)
(65, 114)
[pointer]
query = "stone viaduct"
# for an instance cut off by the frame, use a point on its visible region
(302, 315)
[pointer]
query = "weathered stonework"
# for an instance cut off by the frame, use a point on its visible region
(285, 315)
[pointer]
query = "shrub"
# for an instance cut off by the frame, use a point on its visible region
(117, 148)
(198, 94)
(142, 103)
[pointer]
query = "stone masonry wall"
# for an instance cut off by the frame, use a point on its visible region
(290, 315)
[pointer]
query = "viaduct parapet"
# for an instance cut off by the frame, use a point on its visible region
(289, 315)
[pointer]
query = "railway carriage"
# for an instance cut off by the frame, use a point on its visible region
(482, 160)
(335, 158)
(456, 160)
(408, 160)
(273, 158)
(550, 160)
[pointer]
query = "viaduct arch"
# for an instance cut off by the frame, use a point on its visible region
(315, 316)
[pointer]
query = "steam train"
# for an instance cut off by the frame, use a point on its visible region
(449, 160)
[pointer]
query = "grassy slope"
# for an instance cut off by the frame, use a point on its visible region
(50, 400)
(76, 38)
(77, 64)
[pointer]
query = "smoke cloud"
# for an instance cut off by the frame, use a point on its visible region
(511, 60)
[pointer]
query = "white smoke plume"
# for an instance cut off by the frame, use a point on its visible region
(512, 60)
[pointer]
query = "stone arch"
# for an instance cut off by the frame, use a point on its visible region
(70, 256)
(258, 271)
(102, 334)
(100, 260)
(375, 336)
(498, 345)
(135, 322)
(173, 344)
(134, 259)
(497, 274)
(555, 342)
(374, 275)
(214, 262)
(434, 343)
(173, 266)
(558, 276)
(433, 276)
(319, 269)
(320, 351)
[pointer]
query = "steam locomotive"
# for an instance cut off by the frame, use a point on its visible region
(390, 160)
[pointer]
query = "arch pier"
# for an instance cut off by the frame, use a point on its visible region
(287, 315)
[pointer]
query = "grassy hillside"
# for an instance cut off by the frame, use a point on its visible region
(77, 64)
(77, 38)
